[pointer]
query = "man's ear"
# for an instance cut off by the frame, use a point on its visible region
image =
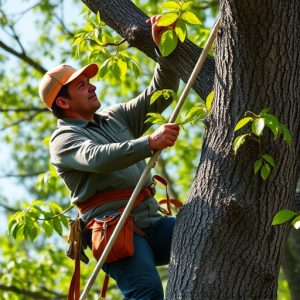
(62, 102)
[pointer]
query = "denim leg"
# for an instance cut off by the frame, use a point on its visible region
(137, 276)
(161, 238)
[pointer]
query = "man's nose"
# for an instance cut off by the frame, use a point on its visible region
(92, 88)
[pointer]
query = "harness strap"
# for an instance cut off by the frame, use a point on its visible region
(115, 195)
(167, 201)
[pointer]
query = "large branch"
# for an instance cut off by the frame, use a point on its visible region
(31, 294)
(130, 22)
(23, 57)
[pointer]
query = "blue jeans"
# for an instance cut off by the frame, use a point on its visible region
(137, 276)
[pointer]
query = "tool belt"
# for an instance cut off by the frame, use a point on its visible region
(103, 228)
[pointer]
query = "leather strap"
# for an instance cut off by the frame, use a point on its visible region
(109, 196)
(166, 201)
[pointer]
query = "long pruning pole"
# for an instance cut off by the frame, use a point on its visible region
(151, 162)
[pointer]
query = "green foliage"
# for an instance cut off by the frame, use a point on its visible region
(26, 224)
(258, 123)
(196, 112)
(177, 16)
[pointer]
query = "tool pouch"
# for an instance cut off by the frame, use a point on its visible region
(103, 228)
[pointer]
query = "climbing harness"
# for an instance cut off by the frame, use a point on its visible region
(151, 163)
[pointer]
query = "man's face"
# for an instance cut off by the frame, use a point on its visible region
(83, 102)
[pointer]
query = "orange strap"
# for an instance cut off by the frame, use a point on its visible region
(167, 201)
(115, 195)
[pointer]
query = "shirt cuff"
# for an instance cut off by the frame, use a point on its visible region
(141, 147)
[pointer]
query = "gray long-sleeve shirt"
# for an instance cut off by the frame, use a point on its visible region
(109, 154)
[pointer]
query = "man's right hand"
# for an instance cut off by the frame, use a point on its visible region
(163, 137)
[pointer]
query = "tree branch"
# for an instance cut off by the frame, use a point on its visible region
(28, 109)
(33, 295)
(8, 208)
(21, 120)
(21, 175)
(23, 57)
(130, 22)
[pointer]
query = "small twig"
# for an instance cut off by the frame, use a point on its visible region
(37, 109)
(20, 121)
(21, 175)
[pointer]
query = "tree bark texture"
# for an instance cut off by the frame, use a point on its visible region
(130, 22)
(224, 245)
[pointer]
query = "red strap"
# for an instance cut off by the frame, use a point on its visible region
(167, 201)
(115, 195)
(74, 290)
(104, 286)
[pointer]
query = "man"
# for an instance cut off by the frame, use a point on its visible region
(97, 152)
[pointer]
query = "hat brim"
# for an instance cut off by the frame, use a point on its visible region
(89, 71)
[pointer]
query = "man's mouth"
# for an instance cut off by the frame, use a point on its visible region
(92, 96)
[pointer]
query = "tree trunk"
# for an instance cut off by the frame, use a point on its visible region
(224, 246)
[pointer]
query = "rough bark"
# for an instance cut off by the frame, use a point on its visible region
(130, 22)
(224, 246)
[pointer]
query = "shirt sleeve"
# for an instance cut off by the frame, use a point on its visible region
(72, 150)
(134, 113)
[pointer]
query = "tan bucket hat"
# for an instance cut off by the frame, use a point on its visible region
(61, 75)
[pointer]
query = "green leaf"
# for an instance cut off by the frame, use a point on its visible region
(98, 17)
(264, 111)
(209, 100)
(286, 134)
(155, 118)
(171, 5)
(272, 122)
(265, 171)
(180, 30)
(268, 158)
(167, 19)
(283, 216)
(123, 67)
(241, 123)
(57, 226)
(166, 93)
(155, 96)
(257, 165)
(48, 228)
(196, 112)
(258, 126)
(104, 69)
(115, 69)
(190, 18)
(168, 42)
(187, 5)
(239, 140)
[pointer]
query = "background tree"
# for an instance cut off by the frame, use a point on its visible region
(26, 123)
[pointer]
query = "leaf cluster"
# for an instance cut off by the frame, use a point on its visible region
(197, 112)
(258, 124)
(27, 224)
(176, 18)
